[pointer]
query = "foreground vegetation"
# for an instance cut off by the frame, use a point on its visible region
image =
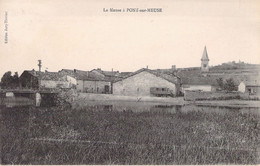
(100, 136)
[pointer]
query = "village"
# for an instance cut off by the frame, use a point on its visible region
(204, 112)
(130, 82)
(227, 81)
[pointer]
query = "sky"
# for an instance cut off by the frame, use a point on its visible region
(77, 34)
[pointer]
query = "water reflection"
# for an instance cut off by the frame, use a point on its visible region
(126, 106)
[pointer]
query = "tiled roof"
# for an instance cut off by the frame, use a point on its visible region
(82, 75)
(255, 82)
(124, 74)
(195, 77)
(107, 73)
(33, 72)
(55, 76)
(170, 78)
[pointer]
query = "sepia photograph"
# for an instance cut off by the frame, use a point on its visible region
(150, 82)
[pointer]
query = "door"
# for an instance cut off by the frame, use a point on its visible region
(106, 89)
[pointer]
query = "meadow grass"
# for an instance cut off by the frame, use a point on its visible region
(88, 136)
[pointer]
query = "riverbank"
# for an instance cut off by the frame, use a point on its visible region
(95, 136)
(83, 97)
(111, 97)
(229, 103)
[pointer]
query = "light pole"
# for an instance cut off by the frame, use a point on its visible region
(39, 79)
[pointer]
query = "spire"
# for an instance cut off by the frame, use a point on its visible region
(205, 54)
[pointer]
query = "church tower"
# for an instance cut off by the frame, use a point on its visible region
(205, 61)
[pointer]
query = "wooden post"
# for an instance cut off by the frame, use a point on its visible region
(37, 99)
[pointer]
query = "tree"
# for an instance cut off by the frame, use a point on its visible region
(6, 80)
(229, 85)
(15, 82)
(9, 81)
(220, 83)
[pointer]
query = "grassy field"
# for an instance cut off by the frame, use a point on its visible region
(99, 136)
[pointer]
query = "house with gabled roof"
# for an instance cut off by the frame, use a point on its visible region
(146, 82)
(251, 87)
(108, 75)
(88, 81)
(194, 80)
(35, 79)
(29, 79)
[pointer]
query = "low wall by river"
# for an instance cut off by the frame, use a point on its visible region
(201, 95)
(16, 101)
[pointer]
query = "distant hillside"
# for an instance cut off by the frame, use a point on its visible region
(236, 66)
(237, 71)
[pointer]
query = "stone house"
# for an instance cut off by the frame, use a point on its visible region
(251, 87)
(145, 82)
(56, 80)
(35, 79)
(29, 79)
(88, 81)
(194, 80)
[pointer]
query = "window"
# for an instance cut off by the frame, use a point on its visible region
(163, 89)
(137, 89)
(204, 65)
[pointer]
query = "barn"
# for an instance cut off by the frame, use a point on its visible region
(145, 82)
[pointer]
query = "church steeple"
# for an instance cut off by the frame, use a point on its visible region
(205, 61)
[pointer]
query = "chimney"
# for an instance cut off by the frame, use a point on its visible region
(40, 65)
(147, 67)
(75, 70)
(34, 72)
(112, 70)
(173, 68)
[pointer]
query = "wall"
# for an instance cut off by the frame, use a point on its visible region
(71, 80)
(206, 88)
(92, 86)
(96, 86)
(199, 95)
(242, 87)
(206, 64)
(28, 81)
(80, 85)
(140, 84)
(253, 90)
(55, 84)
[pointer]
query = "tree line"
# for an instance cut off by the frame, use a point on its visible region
(9, 81)
(227, 85)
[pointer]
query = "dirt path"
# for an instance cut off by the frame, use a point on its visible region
(83, 97)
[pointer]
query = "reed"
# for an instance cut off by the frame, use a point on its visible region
(88, 136)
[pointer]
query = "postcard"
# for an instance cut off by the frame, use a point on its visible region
(157, 82)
